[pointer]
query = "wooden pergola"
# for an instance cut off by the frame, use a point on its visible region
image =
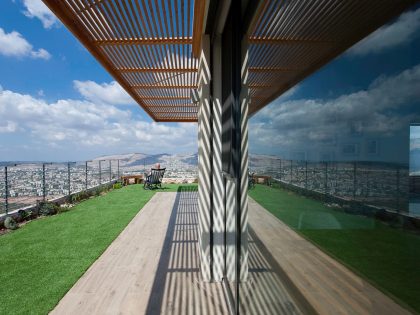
(152, 47)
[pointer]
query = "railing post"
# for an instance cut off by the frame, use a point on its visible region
(326, 178)
(398, 189)
(272, 169)
(367, 181)
(6, 191)
(291, 171)
(86, 175)
(118, 169)
(100, 171)
(306, 174)
(354, 179)
(110, 171)
(44, 188)
(280, 172)
(68, 178)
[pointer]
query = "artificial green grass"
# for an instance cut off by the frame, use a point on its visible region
(386, 256)
(42, 260)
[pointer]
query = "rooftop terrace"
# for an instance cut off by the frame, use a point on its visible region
(152, 266)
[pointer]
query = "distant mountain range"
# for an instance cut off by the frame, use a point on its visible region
(133, 160)
(136, 160)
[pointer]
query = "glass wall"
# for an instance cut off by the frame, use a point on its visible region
(334, 216)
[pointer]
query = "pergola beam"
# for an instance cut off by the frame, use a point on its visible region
(175, 112)
(198, 26)
(190, 105)
(192, 120)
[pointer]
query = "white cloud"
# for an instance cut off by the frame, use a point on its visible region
(15, 45)
(37, 9)
(41, 54)
(87, 125)
(106, 93)
(377, 110)
(8, 126)
(389, 36)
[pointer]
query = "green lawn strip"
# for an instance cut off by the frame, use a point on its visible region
(387, 257)
(42, 260)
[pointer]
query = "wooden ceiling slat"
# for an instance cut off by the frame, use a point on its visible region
(171, 19)
(112, 18)
(86, 16)
(154, 18)
(131, 19)
(163, 98)
(102, 23)
(154, 86)
(187, 105)
(90, 6)
(105, 16)
(82, 18)
(122, 19)
(177, 18)
(156, 70)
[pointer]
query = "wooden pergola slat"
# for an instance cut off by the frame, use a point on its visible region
(156, 86)
(156, 70)
(145, 41)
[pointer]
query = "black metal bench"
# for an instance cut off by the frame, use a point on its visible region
(154, 179)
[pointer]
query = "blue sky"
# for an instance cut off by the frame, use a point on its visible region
(57, 103)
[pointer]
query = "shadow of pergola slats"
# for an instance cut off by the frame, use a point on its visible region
(177, 288)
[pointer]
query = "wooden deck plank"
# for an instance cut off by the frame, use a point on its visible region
(328, 286)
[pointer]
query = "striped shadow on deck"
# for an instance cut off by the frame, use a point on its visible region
(151, 268)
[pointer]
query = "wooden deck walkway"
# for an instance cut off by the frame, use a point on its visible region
(151, 268)
(324, 284)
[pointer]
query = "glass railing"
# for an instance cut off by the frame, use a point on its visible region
(23, 185)
(379, 184)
